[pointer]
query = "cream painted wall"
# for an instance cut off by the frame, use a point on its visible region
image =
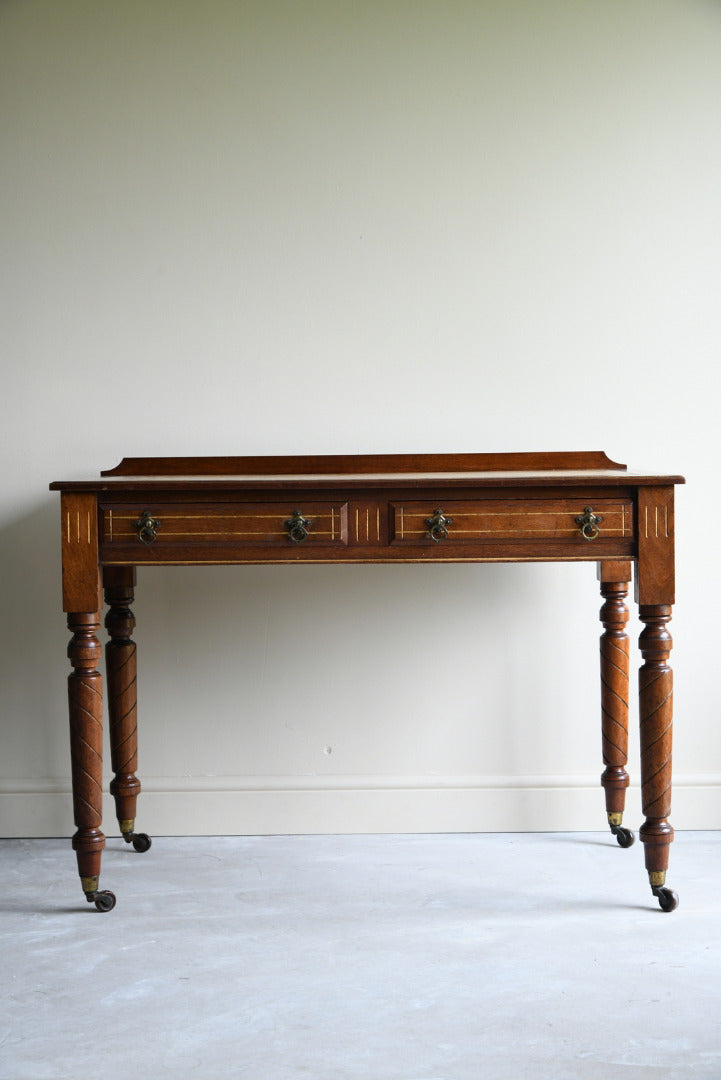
(323, 226)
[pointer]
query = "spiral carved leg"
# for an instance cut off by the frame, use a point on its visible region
(121, 667)
(656, 717)
(85, 700)
(614, 705)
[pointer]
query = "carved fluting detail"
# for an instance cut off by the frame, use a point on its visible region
(656, 719)
(614, 694)
(121, 667)
(85, 699)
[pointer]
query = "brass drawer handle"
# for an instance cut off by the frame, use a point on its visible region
(588, 523)
(438, 525)
(297, 527)
(147, 527)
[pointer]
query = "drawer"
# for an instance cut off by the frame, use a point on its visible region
(226, 530)
(458, 522)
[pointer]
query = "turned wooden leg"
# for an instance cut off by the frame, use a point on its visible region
(614, 702)
(656, 716)
(85, 699)
(121, 669)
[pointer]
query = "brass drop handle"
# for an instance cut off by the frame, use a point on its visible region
(588, 523)
(298, 527)
(147, 527)
(438, 525)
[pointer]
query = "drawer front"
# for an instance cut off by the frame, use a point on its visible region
(456, 523)
(198, 531)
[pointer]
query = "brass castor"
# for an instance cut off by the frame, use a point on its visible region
(140, 840)
(624, 837)
(104, 901)
(667, 898)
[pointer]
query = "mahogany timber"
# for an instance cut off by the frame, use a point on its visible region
(374, 508)
(85, 699)
(615, 578)
(121, 672)
(345, 465)
(656, 716)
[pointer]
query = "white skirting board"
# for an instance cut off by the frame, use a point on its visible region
(241, 805)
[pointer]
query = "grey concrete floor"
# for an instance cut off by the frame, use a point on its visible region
(461, 957)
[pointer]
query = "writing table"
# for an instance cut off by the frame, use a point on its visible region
(552, 507)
